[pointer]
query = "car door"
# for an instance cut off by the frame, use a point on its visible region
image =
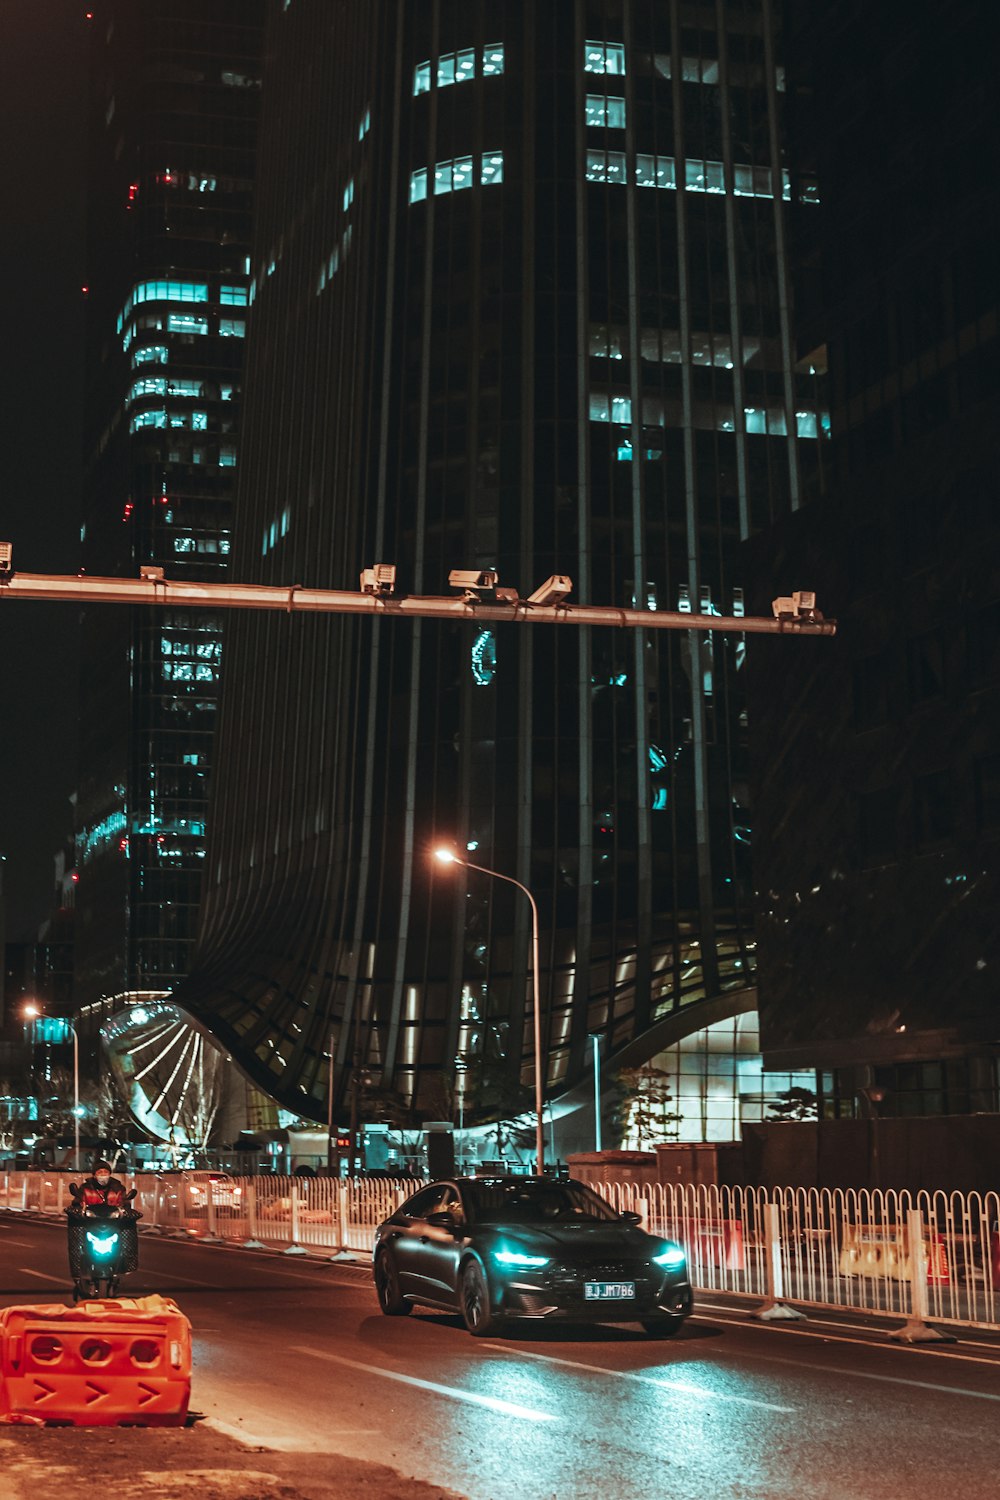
(438, 1249)
(408, 1237)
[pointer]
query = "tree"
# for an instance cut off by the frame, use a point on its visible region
(795, 1104)
(641, 1111)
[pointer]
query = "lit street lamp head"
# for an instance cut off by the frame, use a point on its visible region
(447, 857)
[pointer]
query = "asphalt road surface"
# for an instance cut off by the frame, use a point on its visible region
(292, 1355)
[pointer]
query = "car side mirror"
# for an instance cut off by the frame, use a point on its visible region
(444, 1220)
(130, 1194)
(74, 1189)
(628, 1217)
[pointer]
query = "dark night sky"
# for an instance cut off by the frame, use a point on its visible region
(42, 168)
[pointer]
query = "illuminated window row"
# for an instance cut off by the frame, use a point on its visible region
(459, 67)
(162, 385)
(758, 421)
(365, 123)
(699, 176)
(453, 176)
(163, 291)
(182, 323)
(607, 111)
(193, 421)
(204, 545)
(335, 259)
(152, 354)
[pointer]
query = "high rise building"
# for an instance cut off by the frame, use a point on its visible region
(521, 301)
(879, 762)
(175, 89)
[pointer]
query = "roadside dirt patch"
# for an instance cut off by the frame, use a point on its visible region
(186, 1463)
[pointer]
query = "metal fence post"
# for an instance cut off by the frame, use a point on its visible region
(295, 1248)
(774, 1308)
(210, 1210)
(253, 1243)
(917, 1330)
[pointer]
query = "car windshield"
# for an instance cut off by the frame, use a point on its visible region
(534, 1203)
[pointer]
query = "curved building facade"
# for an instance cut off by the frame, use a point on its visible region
(520, 302)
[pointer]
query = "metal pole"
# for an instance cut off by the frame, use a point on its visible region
(329, 1113)
(535, 995)
(76, 1099)
(595, 1038)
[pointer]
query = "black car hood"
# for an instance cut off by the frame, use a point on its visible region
(578, 1239)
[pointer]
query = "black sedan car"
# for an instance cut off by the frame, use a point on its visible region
(492, 1248)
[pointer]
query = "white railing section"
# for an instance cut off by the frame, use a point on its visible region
(834, 1247)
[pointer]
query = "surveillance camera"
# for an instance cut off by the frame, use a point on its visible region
(381, 579)
(473, 578)
(783, 608)
(553, 590)
(804, 601)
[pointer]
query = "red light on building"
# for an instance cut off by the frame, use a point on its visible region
(85, 290)
(74, 877)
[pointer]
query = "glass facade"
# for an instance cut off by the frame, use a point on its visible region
(174, 100)
(546, 371)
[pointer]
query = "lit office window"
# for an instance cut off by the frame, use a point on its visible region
(150, 385)
(152, 354)
(348, 195)
(232, 328)
(704, 176)
(365, 124)
(605, 166)
(601, 110)
(605, 408)
(655, 171)
(233, 296)
(227, 457)
(186, 323)
(162, 291)
(458, 67)
(453, 176)
(183, 387)
(493, 58)
(147, 419)
(603, 57)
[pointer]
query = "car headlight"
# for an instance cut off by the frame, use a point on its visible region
(518, 1260)
(671, 1258)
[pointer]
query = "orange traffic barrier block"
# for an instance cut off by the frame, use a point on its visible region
(99, 1364)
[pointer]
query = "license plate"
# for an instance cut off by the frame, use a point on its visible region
(608, 1291)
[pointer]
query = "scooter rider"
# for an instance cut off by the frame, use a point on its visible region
(101, 1189)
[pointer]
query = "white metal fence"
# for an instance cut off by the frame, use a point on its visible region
(836, 1248)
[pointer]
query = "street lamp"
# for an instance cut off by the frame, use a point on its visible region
(32, 1012)
(449, 857)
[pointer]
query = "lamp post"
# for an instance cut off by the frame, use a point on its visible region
(32, 1012)
(596, 1039)
(449, 857)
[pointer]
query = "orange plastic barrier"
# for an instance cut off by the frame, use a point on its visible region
(98, 1364)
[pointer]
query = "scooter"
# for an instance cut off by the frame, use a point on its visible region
(103, 1245)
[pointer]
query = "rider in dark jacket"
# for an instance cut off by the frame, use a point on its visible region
(101, 1189)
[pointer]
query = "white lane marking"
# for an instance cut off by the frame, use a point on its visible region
(21, 1244)
(43, 1276)
(936, 1351)
(854, 1374)
(684, 1387)
(507, 1408)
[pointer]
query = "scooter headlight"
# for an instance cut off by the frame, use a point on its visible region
(103, 1244)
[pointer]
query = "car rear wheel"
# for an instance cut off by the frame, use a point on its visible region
(390, 1298)
(662, 1328)
(474, 1300)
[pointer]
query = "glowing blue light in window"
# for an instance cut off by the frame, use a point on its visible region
(659, 803)
(453, 176)
(365, 123)
(418, 185)
(152, 354)
(657, 759)
(603, 57)
(493, 58)
(422, 78)
(147, 419)
(492, 168)
(185, 323)
(601, 111)
(348, 195)
(227, 457)
(484, 658)
(605, 166)
(162, 291)
(233, 296)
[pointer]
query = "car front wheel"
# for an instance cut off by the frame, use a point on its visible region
(474, 1300)
(662, 1328)
(390, 1298)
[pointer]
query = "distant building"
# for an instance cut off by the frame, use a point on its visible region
(175, 90)
(520, 302)
(877, 837)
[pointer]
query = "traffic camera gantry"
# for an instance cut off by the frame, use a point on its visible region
(480, 597)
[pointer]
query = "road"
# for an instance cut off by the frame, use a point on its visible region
(293, 1355)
